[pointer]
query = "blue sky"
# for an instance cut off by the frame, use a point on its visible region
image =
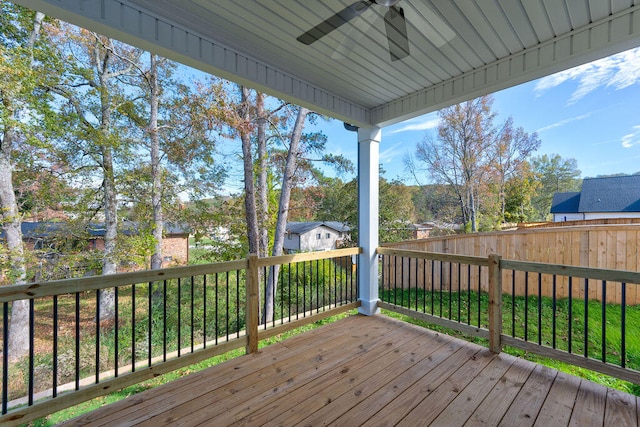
(590, 113)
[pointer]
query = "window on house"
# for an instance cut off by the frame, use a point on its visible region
(318, 236)
(328, 235)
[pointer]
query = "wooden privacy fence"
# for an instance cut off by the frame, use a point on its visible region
(607, 247)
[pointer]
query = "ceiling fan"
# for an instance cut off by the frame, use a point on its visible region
(394, 20)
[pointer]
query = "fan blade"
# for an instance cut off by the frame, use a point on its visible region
(330, 24)
(396, 26)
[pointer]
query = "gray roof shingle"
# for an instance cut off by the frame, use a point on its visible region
(610, 194)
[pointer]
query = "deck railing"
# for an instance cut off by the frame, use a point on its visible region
(160, 321)
(576, 315)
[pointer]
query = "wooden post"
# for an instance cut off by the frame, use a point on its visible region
(252, 310)
(495, 304)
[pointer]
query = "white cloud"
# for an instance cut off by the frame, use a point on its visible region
(631, 139)
(617, 71)
(563, 122)
(420, 124)
(391, 152)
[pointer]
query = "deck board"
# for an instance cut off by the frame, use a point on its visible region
(373, 371)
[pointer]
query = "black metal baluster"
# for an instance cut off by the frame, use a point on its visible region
(402, 280)
(395, 282)
(441, 283)
(204, 310)
(54, 367)
(586, 317)
(479, 293)
(192, 320)
(31, 349)
(237, 303)
(623, 327)
(424, 285)
(5, 356)
(133, 327)
(179, 317)
(150, 322)
(450, 285)
(227, 304)
(553, 318)
(539, 308)
(77, 362)
(265, 299)
(459, 291)
(433, 285)
(298, 290)
(97, 356)
(513, 303)
(317, 286)
(389, 276)
(570, 316)
(304, 289)
(335, 281)
(116, 332)
(526, 306)
(281, 287)
(604, 321)
(468, 294)
(164, 320)
(417, 270)
(289, 290)
(217, 324)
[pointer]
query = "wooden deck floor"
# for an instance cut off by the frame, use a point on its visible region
(374, 372)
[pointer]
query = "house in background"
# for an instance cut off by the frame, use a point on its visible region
(314, 236)
(600, 198)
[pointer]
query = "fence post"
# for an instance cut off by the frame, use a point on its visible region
(495, 304)
(252, 309)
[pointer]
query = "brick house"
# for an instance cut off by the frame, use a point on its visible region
(43, 235)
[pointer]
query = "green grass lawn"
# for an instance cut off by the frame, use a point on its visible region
(521, 319)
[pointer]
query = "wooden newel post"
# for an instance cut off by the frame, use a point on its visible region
(495, 304)
(252, 311)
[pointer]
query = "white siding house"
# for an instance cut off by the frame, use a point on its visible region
(600, 198)
(314, 236)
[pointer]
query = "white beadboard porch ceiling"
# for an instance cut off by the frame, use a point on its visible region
(458, 49)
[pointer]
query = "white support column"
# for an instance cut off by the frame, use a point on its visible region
(368, 165)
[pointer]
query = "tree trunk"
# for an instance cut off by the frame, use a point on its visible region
(249, 188)
(110, 204)
(156, 168)
(283, 209)
(262, 190)
(11, 223)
